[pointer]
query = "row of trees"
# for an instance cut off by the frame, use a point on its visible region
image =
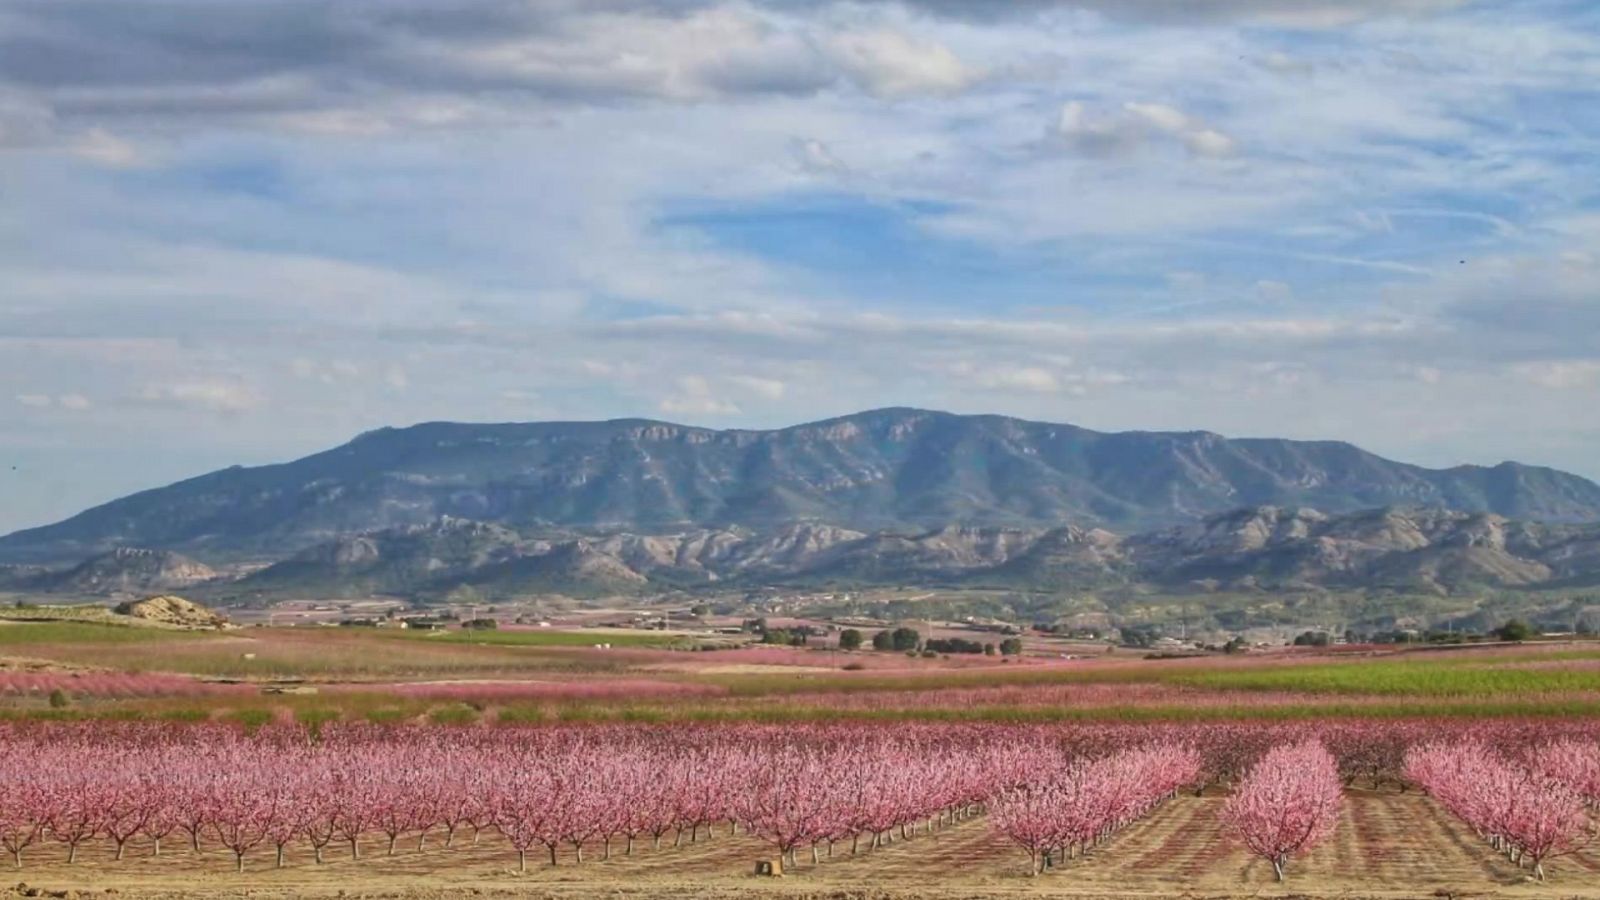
(1532, 812)
(1079, 805)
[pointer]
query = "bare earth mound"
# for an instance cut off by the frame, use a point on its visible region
(172, 610)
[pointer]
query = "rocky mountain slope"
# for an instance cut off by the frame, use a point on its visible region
(900, 469)
(1260, 549)
(125, 570)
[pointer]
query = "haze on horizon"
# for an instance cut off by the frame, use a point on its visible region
(241, 231)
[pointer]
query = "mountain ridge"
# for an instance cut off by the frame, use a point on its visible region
(880, 469)
(1262, 549)
(1295, 550)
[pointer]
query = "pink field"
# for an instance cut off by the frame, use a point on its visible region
(111, 685)
(512, 691)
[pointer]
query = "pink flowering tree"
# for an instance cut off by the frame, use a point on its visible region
(1287, 804)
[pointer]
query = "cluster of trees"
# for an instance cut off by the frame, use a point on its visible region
(1530, 812)
(1287, 804)
(1081, 804)
(905, 640)
(793, 636)
(909, 640)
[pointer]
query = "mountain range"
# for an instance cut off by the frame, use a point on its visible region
(1263, 549)
(905, 471)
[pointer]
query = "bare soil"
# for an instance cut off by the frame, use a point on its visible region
(1388, 846)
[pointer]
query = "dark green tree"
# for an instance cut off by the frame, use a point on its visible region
(1514, 630)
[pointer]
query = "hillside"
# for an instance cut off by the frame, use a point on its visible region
(125, 570)
(1399, 551)
(900, 469)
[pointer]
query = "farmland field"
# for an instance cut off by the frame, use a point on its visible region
(982, 758)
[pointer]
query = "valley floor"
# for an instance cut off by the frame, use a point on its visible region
(1388, 845)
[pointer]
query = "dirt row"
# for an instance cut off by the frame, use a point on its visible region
(1387, 845)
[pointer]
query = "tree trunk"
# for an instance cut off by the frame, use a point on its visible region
(157, 850)
(16, 857)
(194, 840)
(629, 851)
(355, 851)
(392, 838)
(552, 854)
(238, 860)
(72, 853)
(522, 860)
(122, 845)
(316, 850)
(280, 856)
(1277, 867)
(815, 859)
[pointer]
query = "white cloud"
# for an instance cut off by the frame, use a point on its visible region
(1026, 378)
(70, 402)
(1562, 374)
(893, 64)
(202, 396)
(815, 158)
(104, 148)
(766, 388)
(1137, 126)
(695, 398)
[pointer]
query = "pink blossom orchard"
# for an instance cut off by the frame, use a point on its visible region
(1287, 804)
(1531, 814)
(575, 792)
(583, 792)
(1074, 807)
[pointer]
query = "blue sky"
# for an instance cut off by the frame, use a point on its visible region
(249, 230)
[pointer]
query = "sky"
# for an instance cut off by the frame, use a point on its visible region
(241, 231)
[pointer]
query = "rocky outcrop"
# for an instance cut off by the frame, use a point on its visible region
(125, 570)
(171, 610)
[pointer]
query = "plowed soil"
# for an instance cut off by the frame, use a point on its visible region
(1388, 845)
